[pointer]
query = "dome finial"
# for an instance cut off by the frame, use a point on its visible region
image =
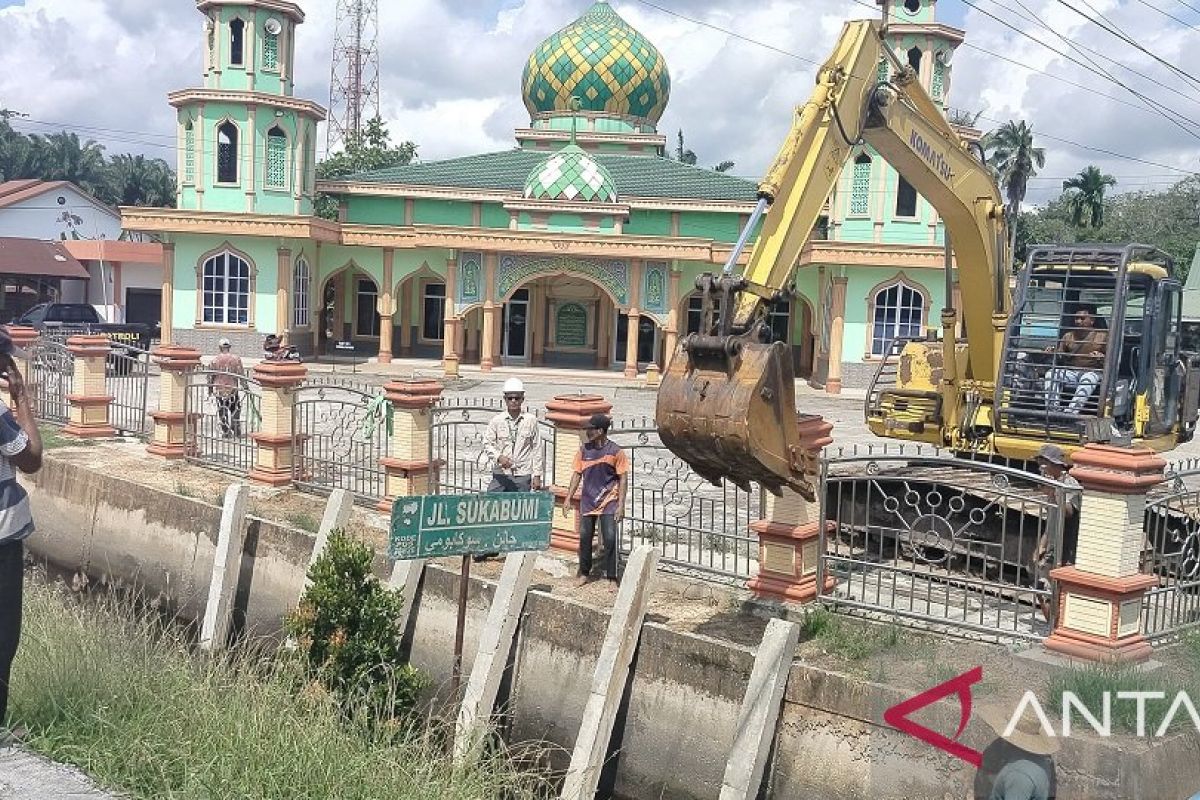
(574, 104)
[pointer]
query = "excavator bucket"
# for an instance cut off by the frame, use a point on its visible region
(727, 406)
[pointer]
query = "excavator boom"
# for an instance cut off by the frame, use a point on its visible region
(726, 404)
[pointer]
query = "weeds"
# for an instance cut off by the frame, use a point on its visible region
(303, 521)
(1090, 684)
(53, 438)
(183, 490)
(842, 637)
(116, 692)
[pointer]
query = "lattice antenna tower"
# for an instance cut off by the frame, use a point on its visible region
(354, 76)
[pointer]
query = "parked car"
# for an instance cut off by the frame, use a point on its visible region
(129, 340)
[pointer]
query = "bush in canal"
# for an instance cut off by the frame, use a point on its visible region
(347, 632)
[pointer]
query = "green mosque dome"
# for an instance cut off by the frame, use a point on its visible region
(571, 174)
(599, 58)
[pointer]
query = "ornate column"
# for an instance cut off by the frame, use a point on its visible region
(671, 330)
(168, 288)
(833, 383)
(488, 350)
(175, 364)
(631, 342)
(789, 534)
(386, 306)
(569, 413)
(537, 323)
(1100, 597)
(89, 396)
(409, 469)
(273, 462)
(405, 312)
(283, 319)
(451, 355)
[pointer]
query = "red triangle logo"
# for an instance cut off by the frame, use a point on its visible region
(897, 715)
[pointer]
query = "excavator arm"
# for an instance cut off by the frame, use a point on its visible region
(727, 401)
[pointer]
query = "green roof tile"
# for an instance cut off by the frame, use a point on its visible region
(636, 176)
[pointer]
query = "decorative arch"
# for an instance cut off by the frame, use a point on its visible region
(226, 289)
(911, 297)
(237, 42)
(860, 185)
(302, 281)
(328, 297)
(913, 56)
(612, 276)
(228, 156)
(276, 150)
(570, 273)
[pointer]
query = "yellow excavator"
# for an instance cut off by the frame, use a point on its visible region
(1014, 380)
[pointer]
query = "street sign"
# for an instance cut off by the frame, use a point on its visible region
(436, 525)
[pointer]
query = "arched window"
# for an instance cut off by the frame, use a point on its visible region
(189, 152)
(914, 59)
(227, 153)
(237, 31)
(906, 198)
(270, 56)
(301, 286)
(277, 158)
(899, 311)
(860, 185)
(226, 285)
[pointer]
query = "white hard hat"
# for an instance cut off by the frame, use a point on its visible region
(514, 386)
(224, 343)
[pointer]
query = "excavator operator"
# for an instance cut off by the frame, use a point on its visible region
(1082, 348)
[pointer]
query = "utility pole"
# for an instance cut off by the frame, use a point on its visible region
(354, 73)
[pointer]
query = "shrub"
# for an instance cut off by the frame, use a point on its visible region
(346, 629)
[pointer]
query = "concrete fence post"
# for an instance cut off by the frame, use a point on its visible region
(1100, 596)
(175, 365)
(408, 468)
(89, 397)
(279, 381)
(789, 534)
(227, 560)
(569, 414)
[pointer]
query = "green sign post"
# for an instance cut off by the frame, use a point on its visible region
(437, 525)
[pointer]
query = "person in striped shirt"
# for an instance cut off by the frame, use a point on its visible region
(20, 449)
(600, 466)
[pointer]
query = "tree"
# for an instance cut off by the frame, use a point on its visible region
(366, 151)
(1087, 195)
(1015, 160)
(962, 117)
(139, 181)
(66, 158)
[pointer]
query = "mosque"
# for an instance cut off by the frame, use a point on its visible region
(577, 248)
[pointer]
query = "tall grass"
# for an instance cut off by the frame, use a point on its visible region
(113, 691)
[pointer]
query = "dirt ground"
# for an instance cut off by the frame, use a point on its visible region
(900, 655)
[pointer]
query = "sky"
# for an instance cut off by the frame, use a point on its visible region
(450, 73)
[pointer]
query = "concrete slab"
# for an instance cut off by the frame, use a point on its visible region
(227, 560)
(28, 776)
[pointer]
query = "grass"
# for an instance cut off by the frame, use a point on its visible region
(183, 490)
(842, 637)
(303, 521)
(1089, 683)
(53, 438)
(118, 694)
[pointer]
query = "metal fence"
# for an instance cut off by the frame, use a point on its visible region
(923, 534)
(53, 369)
(457, 444)
(127, 377)
(1171, 551)
(340, 434)
(695, 525)
(223, 410)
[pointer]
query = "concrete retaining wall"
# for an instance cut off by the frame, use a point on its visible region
(682, 705)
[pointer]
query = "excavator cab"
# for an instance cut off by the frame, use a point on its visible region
(1092, 351)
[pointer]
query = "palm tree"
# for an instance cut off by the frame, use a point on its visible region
(138, 181)
(68, 159)
(1014, 160)
(1088, 195)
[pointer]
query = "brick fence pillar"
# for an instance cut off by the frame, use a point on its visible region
(409, 470)
(789, 534)
(175, 364)
(1100, 596)
(569, 413)
(273, 460)
(89, 396)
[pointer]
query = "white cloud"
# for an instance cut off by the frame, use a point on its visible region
(451, 73)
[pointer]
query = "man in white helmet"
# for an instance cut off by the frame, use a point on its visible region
(514, 447)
